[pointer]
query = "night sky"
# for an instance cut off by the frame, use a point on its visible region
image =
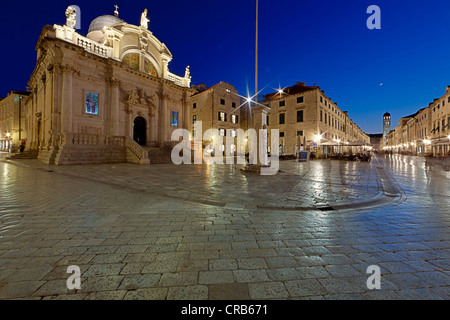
(400, 68)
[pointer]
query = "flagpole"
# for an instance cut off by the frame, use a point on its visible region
(256, 55)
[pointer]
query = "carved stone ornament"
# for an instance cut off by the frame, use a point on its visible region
(66, 68)
(114, 82)
(108, 36)
(144, 42)
(137, 98)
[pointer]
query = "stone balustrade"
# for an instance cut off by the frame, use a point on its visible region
(70, 35)
(136, 153)
(181, 81)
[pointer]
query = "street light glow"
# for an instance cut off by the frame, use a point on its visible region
(317, 137)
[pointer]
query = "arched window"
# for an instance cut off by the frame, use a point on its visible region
(149, 68)
(132, 60)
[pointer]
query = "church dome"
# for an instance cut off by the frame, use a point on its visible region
(95, 29)
(107, 20)
(387, 115)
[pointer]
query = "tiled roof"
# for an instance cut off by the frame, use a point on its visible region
(295, 89)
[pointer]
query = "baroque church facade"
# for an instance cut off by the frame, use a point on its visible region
(105, 97)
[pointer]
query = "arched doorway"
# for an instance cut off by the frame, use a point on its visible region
(140, 131)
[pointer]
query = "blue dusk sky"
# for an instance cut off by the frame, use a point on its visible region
(399, 68)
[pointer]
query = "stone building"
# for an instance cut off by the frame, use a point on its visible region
(440, 123)
(376, 140)
(106, 97)
(13, 124)
(307, 119)
(221, 109)
(425, 132)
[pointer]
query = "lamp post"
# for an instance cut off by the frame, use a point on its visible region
(8, 141)
(317, 139)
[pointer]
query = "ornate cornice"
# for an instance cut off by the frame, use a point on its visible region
(113, 82)
(66, 68)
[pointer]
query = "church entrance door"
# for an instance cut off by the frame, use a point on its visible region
(140, 131)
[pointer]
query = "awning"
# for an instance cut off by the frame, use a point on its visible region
(358, 143)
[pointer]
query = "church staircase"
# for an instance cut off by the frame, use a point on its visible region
(29, 154)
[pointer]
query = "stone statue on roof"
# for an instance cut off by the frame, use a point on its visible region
(144, 20)
(187, 73)
(71, 17)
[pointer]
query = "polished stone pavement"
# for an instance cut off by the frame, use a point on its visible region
(213, 232)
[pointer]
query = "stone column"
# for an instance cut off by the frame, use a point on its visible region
(164, 118)
(114, 108)
(154, 125)
(66, 102)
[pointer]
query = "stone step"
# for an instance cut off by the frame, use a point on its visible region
(30, 154)
(160, 155)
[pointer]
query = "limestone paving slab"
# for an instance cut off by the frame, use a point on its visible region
(209, 232)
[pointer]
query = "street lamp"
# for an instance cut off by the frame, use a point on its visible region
(8, 141)
(317, 139)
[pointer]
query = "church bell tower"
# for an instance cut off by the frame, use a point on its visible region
(386, 124)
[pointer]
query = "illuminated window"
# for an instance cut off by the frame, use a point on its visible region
(234, 118)
(91, 103)
(222, 116)
(149, 68)
(174, 119)
(222, 132)
(132, 60)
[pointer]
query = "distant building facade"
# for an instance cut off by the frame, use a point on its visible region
(307, 119)
(13, 124)
(221, 110)
(376, 141)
